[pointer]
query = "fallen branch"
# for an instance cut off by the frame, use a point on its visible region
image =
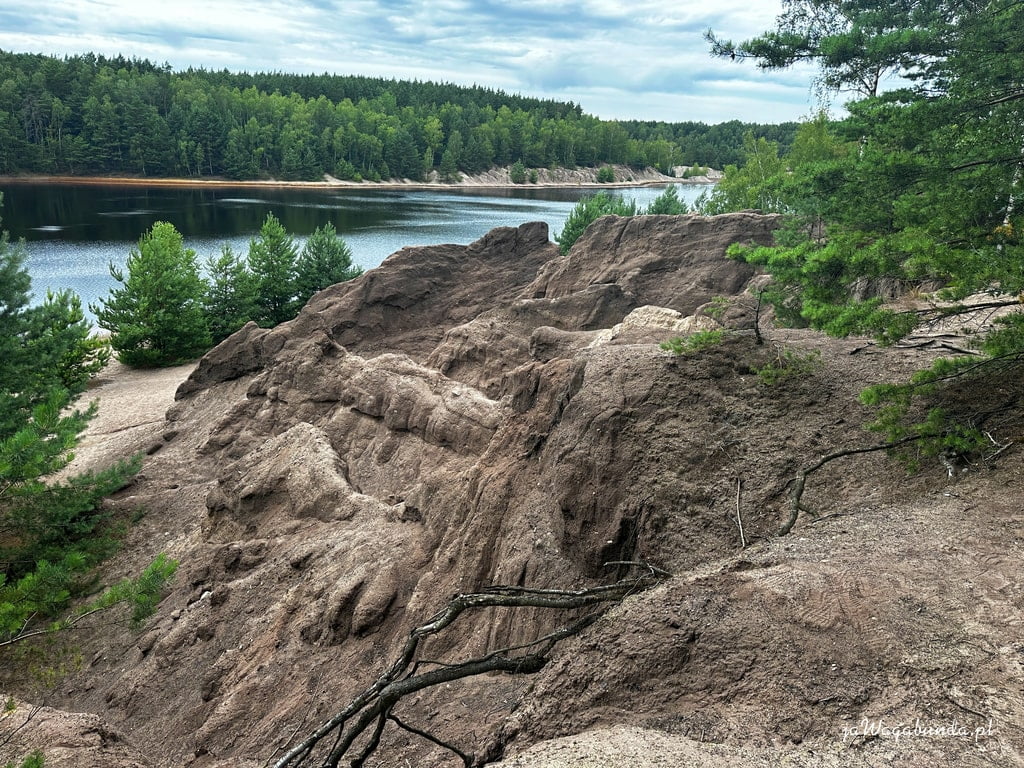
(937, 343)
(739, 517)
(467, 760)
(796, 497)
(960, 350)
(967, 709)
(373, 707)
(653, 569)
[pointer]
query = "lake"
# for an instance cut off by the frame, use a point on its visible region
(72, 233)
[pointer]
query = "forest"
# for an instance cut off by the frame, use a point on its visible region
(92, 115)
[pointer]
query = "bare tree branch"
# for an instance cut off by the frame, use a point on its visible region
(796, 497)
(467, 760)
(374, 704)
(7, 738)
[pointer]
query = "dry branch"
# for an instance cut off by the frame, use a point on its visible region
(799, 483)
(739, 515)
(373, 707)
(8, 737)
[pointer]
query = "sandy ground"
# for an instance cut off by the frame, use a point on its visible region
(492, 179)
(132, 403)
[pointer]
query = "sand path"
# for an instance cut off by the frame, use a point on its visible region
(132, 403)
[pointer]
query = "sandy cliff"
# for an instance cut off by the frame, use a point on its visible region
(500, 413)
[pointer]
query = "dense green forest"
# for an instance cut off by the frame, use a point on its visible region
(94, 115)
(720, 144)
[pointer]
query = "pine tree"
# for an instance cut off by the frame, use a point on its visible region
(51, 534)
(451, 158)
(517, 172)
(42, 348)
(157, 317)
(324, 261)
(919, 184)
(667, 203)
(587, 211)
(272, 260)
(231, 297)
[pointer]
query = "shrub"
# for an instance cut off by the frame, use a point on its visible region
(587, 210)
(789, 364)
(717, 307)
(695, 342)
(606, 174)
(33, 760)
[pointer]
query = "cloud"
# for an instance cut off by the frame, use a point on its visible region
(645, 59)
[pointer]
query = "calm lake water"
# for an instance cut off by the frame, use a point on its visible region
(73, 233)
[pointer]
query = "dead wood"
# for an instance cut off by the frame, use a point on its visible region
(799, 483)
(373, 707)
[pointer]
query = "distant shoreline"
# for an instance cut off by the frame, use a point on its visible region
(469, 184)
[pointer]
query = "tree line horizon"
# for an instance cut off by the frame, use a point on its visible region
(93, 115)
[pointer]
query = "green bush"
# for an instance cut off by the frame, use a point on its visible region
(587, 210)
(34, 760)
(789, 364)
(695, 342)
(717, 307)
(606, 174)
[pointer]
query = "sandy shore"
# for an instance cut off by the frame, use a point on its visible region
(562, 179)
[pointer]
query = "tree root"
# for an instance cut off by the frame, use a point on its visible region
(373, 707)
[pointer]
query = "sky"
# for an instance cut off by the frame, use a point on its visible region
(641, 59)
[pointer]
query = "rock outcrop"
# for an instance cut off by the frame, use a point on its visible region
(406, 307)
(499, 413)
